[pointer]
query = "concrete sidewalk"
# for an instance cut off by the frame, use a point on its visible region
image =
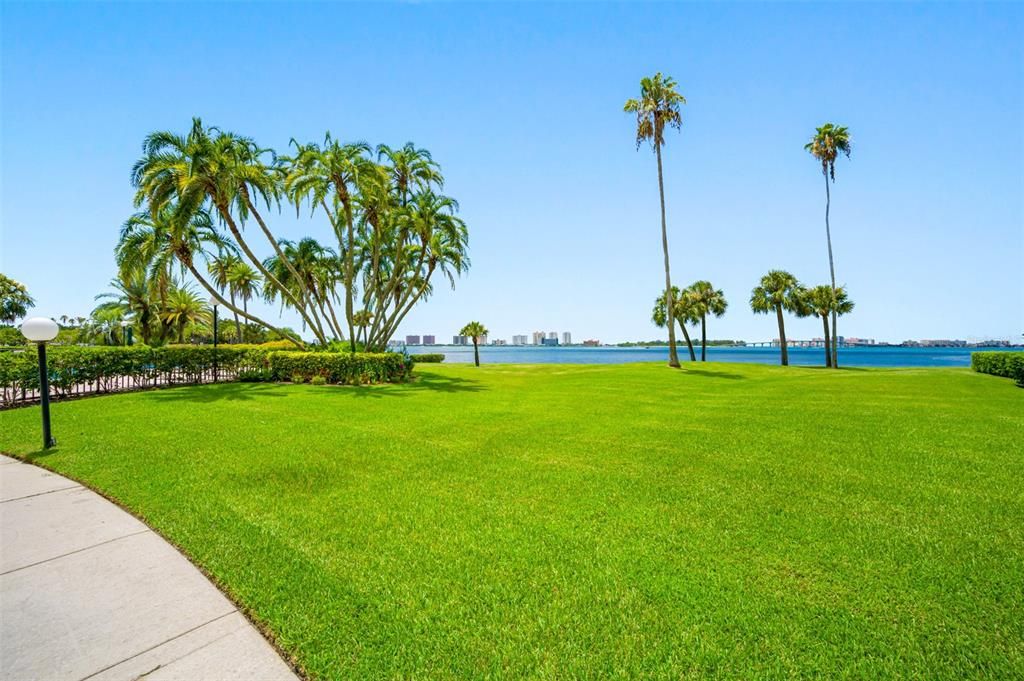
(89, 592)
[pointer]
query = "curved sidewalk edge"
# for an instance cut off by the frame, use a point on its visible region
(87, 591)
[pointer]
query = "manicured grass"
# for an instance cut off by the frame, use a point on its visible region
(590, 521)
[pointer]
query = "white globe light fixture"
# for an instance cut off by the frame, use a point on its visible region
(39, 330)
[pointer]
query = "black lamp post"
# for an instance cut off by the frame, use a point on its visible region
(215, 342)
(39, 330)
(126, 328)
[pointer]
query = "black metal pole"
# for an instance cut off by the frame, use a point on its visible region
(214, 342)
(129, 330)
(44, 396)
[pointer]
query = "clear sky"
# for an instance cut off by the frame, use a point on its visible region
(522, 106)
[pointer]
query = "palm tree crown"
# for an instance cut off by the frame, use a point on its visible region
(828, 142)
(657, 107)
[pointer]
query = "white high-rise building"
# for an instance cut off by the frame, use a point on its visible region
(519, 340)
(553, 335)
(538, 338)
(566, 338)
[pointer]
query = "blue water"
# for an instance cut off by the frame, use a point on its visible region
(854, 357)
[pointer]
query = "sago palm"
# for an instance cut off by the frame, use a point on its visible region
(705, 300)
(476, 331)
(828, 143)
(779, 290)
(658, 107)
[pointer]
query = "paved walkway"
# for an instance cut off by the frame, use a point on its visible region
(89, 592)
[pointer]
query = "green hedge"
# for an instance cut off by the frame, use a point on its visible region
(86, 370)
(428, 358)
(339, 367)
(1005, 364)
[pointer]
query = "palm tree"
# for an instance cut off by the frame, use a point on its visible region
(683, 313)
(185, 307)
(134, 295)
(705, 299)
(657, 107)
(823, 301)
(244, 284)
(476, 331)
(220, 270)
(362, 319)
(828, 142)
(779, 290)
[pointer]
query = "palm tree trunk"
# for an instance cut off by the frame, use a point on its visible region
(238, 323)
(782, 336)
(349, 274)
(828, 346)
(831, 270)
(476, 352)
(689, 343)
(285, 293)
(703, 338)
(220, 299)
(673, 357)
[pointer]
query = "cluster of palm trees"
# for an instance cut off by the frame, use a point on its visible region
(779, 292)
(393, 233)
(658, 107)
(691, 306)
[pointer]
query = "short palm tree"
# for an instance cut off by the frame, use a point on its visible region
(362, 320)
(185, 308)
(682, 313)
(244, 284)
(476, 331)
(705, 299)
(220, 272)
(828, 142)
(657, 107)
(779, 290)
(822, 301)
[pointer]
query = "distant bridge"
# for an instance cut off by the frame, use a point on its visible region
(793, 343)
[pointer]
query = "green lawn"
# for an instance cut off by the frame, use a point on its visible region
(589, 521)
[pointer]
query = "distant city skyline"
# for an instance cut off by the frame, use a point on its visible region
(927, 215)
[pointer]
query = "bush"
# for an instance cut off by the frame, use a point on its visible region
(337, 367)
(318, 380)
(1005, 364)
(91, 369)
(430, 358)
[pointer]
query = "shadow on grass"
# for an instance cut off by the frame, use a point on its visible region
(422, 382)
(711, 373)
(214, 393)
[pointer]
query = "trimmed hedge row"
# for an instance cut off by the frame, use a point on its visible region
(85, 370)
(338, 367)
(1005, 364)
(428, 358)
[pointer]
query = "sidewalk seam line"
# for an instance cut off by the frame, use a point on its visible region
(143, 652)
(71, 553)
(39, 494)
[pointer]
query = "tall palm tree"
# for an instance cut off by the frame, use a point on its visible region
(220, 271)
(705, 299)
(779, 290)
(828, 142)
(822, 301)
(476, 331)
(683, 313)
(657, 107)
(244, 284)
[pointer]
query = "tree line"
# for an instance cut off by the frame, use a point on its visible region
(658, 108)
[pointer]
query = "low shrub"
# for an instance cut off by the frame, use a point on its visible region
(338, 367)
(318, 380)
(1005, 364)
(428, 358)
(254, 376)
(298, 378)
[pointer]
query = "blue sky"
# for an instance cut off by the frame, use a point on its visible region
(522, 106)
